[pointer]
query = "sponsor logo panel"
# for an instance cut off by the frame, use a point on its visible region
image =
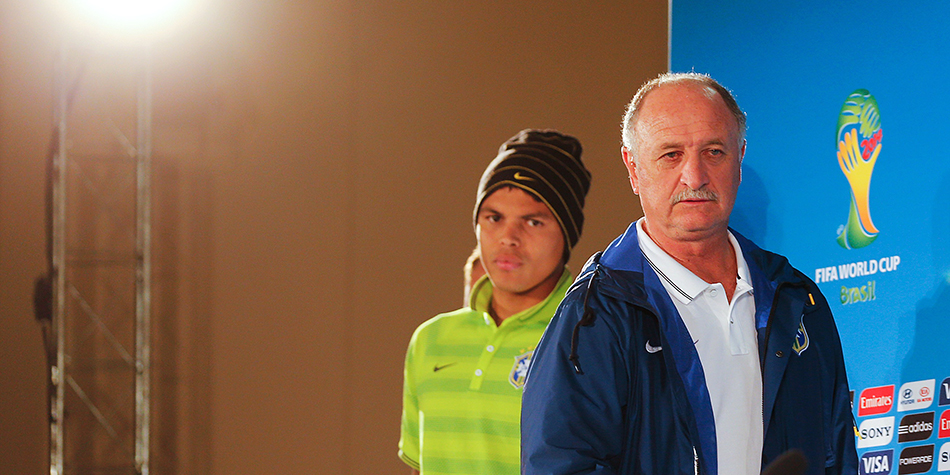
(874, 401)
(876, 432)
(916, 427)
(943, 428)
(917, 459)
(943, 458)
(877, 463)
(915, 395)
(945, 393)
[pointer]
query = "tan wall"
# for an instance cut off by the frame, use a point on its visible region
(315, 168)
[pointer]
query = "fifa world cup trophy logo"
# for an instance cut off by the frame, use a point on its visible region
(859, 144)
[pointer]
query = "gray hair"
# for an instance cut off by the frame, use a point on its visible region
(632, 114)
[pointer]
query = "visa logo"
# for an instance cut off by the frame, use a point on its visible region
(877, 463)
(944, 393)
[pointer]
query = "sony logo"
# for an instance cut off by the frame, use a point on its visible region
(873, 432)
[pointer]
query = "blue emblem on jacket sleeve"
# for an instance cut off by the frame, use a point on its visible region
(801, 339)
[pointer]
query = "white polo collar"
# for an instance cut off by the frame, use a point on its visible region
(683, 284)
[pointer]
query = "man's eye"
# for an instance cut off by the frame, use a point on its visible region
(716, 152)
(492, 218)
(535, 223)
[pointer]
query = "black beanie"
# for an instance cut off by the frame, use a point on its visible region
(547, 165)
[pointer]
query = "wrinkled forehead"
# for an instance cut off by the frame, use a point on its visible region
(683, 94)
(680, 104)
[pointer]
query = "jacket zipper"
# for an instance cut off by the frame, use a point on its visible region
(765, 351)
(651, 312)
(695, 453)
(765, 355)
(695, 461)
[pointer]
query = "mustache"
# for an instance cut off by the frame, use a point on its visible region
(691, 194)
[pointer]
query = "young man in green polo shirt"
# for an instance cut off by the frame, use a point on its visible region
(465, 369)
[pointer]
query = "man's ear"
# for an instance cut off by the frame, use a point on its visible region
(631, 169)
(741, 157)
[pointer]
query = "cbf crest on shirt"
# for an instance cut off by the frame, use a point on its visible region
(519, 371)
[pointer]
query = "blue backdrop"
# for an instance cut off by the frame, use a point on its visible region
(812, 76)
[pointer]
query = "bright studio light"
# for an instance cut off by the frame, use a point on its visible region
(128, 15)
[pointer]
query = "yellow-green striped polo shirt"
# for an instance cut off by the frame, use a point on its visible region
(462, 390)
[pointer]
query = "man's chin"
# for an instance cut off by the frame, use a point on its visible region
(697, 230)
(510, 286)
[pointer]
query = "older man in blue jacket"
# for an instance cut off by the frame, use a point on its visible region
(683, 347)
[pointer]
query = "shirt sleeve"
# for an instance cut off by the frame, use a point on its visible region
(574, 422)
(409, 432)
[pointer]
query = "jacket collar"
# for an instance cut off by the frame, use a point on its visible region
(767, 270)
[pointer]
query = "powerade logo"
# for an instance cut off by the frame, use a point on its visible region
(916, 427)
(915, 395)
(945, 392)
(876, 432)
(877, 463)
(876, 401)
(859, 144)
(917, 459)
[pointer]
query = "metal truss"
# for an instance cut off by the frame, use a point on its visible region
(94, 303)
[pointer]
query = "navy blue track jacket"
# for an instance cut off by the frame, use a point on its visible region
(596, 401)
